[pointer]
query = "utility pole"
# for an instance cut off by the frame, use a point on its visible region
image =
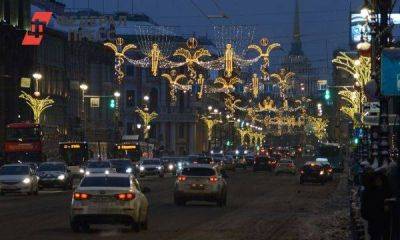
(381, 35)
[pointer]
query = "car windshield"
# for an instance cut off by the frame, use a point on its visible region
(98, 165)
(151, 162)
(121, 163)
(14, 170)
(52, 167)
(105, 182)
(201, 172)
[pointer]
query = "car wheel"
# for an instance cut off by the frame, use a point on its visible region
(145, 222)
(36, 192)
(135, 226)
(301, 181)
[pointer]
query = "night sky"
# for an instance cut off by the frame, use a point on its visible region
(324, 24)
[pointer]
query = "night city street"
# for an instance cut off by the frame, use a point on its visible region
(200, 119)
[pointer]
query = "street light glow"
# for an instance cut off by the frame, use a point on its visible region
(139, 125)
(83, 87)
(117, 94)
(146, 98)
(37, 76)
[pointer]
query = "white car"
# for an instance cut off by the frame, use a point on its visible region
(200, 182)
(152, 166)
(18, 178)
(99, 167)
(114, 198)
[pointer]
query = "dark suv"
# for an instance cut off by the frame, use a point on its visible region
(313, 172)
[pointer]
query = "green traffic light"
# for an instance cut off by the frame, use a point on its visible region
(112, 103)
(327, 94)
(356, 140)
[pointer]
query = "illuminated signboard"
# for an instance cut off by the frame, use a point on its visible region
(73, 146)
(358, 26)
(35, 35)
(126, 147)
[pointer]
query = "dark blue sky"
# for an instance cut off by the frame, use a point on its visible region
(324, 23)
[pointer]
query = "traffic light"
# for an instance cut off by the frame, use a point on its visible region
(229, 143)
(112, 103)
(327, 94)
(356, 140)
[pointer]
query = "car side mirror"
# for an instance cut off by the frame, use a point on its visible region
(146, 190)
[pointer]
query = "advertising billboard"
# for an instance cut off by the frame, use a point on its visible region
(358, 26)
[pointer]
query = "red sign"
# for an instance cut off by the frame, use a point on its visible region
(22, 147)
(38, 24)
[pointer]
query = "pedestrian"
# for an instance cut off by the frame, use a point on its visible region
(376, 191)
(394, 183)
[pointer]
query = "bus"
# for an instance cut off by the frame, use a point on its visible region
(74, 154)
(334, 153)
(130, 150)
(24, 143)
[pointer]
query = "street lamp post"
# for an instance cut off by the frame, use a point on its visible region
(84, 87)
(37, 77)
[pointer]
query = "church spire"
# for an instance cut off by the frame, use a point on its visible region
(296, 42)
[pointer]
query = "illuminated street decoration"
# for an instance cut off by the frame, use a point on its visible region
(254, 85)
(147, 118)
(265, 55)
(231, 104)
(227, 84)
(317, 126)
(359, 68)
(155, 58)
(283, 79)
(119, 52)
(267, 105)
(200, 82)
(228, 60)
(210, 123)
(352, 107)
(192, 58)
(174, 81)
(37, 105)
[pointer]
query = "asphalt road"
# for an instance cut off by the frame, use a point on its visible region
(260, 206)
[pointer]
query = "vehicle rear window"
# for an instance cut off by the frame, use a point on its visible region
(203, 160)
(52, 167)
(151, 162)
(14, 170)
(98, 165)
(285, 161)
(198, 172)
(105, 182)
(121, 163)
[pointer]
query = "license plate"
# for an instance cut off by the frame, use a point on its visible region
(197, 186)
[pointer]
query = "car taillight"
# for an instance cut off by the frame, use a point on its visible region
(330, 169)
(302, 172)
(291, 165)
(81, 196)
(125, 196)
(213, 179)
(181, 178)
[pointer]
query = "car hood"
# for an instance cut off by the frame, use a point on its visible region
(97, 170)
(13, 177)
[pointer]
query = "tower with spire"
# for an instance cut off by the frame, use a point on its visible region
(297, 62)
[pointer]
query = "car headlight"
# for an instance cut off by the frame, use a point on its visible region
(170, 167)
(81, 170)
(159, 167)
(321, 172)
(107, 172)
(87, 173)
(61, 177)
(26, 180)
(141, 168)
(128, 170)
